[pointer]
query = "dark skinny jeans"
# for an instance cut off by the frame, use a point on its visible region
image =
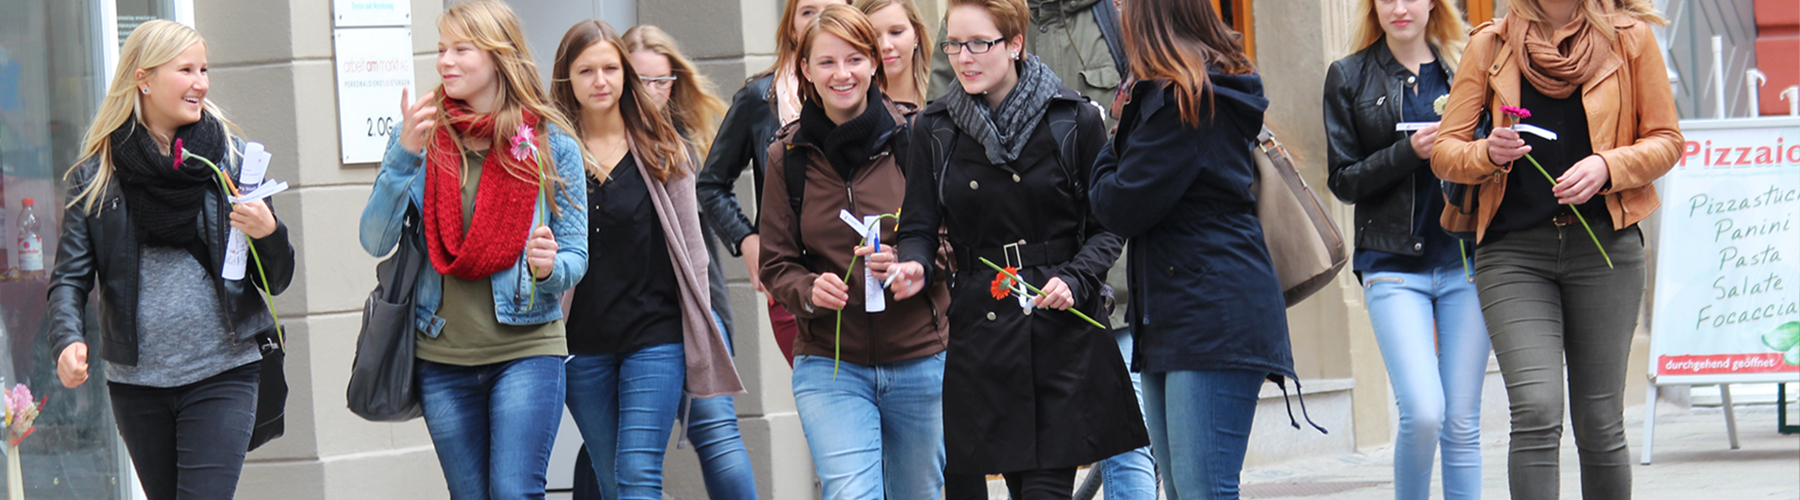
(1551, 302)
(188, 442)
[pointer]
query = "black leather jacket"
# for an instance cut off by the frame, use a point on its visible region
(743, 139)
(1372, 165)
(103, 247)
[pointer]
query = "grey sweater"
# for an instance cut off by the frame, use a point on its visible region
(182, 336)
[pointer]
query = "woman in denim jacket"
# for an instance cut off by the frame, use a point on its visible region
(506, 236)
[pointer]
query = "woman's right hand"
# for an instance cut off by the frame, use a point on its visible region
(830, 292)
(1505, 145)
(416, 121)
(72, 366)
(1423, 139)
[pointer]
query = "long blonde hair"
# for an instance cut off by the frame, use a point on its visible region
(921, 58)
(494, 29)
(694, 103)
(150, 46)
(1595, 11)
(1445, 30)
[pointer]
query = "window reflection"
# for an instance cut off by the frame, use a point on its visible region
(51, 78)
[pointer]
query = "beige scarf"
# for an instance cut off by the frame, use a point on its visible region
(1564, 62)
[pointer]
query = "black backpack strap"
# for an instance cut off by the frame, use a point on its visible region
(1107, 16)
(1063, 118)
(943, 138)
(794, 173)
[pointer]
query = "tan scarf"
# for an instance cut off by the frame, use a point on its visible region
(1563, 63)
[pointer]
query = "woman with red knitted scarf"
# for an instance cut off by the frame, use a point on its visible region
(497, 186)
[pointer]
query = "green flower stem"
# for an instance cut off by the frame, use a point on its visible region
(540, 206)
(1584, 222)
(225, 185)
(837, 350)
(1035, 290)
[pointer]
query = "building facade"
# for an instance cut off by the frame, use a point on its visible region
(272, 67)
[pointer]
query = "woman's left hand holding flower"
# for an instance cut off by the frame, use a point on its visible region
(540, 252)
(1056, 296)
(254, 219)
(1581, 181)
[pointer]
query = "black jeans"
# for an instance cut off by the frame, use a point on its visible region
(1552, 305)
(189, 442)
(1040, 484)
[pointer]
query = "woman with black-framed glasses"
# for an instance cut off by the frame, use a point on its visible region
(1000, 162)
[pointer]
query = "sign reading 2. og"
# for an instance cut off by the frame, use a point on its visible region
(373, 66)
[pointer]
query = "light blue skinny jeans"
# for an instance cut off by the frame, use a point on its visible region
(875, 432)
(712, 428)
(1435, 342)
(1130, 475)
(624, 404)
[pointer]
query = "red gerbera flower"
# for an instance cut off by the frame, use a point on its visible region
(1516, 112)
(1003, 283)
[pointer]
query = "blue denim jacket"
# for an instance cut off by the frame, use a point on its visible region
(402, 180)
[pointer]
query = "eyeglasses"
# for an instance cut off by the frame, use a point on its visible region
(658, 82)
(974, 46)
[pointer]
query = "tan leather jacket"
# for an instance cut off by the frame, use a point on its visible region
(1630, 112)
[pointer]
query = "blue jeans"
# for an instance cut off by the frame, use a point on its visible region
(624, 404)
(875, 431)
(712, 427)
(1130, 475)
(493, 425)
(1436, 377)
(1200, 427)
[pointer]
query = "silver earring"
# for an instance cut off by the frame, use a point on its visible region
(144, 90)
(1015, 56)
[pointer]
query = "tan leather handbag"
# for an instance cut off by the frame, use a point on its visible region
(1304, 243)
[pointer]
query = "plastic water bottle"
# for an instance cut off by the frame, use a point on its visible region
(31, 247)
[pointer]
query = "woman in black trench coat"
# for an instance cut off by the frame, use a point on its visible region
(1028, 393)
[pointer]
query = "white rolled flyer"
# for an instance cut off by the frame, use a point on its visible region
(250, 179)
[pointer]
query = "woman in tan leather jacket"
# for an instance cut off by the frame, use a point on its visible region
(1589, 71)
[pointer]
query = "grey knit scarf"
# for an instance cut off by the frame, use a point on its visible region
(1004, 130)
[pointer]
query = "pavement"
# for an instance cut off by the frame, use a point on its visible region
(1693, 460)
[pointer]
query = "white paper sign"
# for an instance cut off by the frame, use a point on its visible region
(350, 13)
(373, 66)
(870, 227)
(250, 175)
(1727, 301)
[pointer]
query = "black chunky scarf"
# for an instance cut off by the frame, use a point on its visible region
(163, 197)
(1004, 130)
(849, 145)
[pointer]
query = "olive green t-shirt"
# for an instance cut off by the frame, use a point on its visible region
(473, 334)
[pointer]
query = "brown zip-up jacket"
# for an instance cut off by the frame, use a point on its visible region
(1631, 117)
(908, 329)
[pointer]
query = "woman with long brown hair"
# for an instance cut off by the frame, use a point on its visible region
(1556, 298)
(999, 162)
(490, 342)
(767, 102)
(1422, 302)
(679, 89)
(1207, 309)
(641, 327)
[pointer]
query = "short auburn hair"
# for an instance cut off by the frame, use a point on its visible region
(848, 24)
(1011, 16)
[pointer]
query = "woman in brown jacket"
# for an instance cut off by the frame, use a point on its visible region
(873, 415)
(1590, 71)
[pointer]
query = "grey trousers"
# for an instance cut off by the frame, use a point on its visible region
(1551, 302)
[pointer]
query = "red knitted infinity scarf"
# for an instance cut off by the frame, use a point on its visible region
(504, 203)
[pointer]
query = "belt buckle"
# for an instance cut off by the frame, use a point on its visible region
(1562, 220)
(1012, 255)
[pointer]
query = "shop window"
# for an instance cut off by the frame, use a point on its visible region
(53, 69)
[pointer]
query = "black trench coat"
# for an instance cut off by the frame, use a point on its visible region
(1022, 391)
